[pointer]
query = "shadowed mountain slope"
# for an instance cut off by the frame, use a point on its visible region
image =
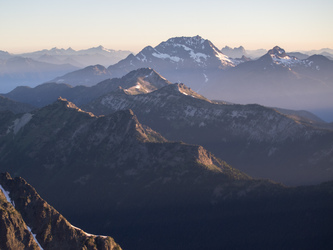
(28, 222)
(113, 176)
(260, 141)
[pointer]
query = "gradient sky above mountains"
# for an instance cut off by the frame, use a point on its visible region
(131, 25)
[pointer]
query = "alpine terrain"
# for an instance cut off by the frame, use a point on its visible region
(114, 176)
(290, 147)
(278, 80)
(263, 142)
(275, 79)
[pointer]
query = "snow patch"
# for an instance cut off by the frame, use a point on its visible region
(286, 60)
(87, 233)
(6, 193)
(202, 124)
(190, 111)
(166, 56)
(182, 92)
(225, 60)
(144, 58)
(196, 56)
(272, 151)
(21, 122)
(34, 235)
(206, 78)
(237, 114)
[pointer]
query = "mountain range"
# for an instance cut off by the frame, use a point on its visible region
(263, 142)
(132, 152)
(237, 52)
(20, 71)
(78, 58)
(275, 79)
(31, 69)
(112, 161)
(278, 80)
(114, 176)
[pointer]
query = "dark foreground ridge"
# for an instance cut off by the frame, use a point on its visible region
(29, 222)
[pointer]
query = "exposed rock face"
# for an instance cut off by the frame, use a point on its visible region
(14, 233)
(47, 228)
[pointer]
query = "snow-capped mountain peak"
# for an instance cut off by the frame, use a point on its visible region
(280, 57)
(189, 41)
(183, 50)
(277, 51)
(179, 59)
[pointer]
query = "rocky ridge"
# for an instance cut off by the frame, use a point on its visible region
(262, 134)
(114, 176)
(37, 224)
(61, 138)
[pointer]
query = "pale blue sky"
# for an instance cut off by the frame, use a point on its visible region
(132, 25)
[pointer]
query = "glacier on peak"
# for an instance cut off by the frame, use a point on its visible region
(166, 56)
(197, 49)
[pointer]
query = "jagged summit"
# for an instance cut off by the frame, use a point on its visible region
(196, 48)
(234, 52)
(190, 41)
(277, 52)
(146, 73)
(143, 80)
(278, 56)
(182, 52)
(64, 103)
